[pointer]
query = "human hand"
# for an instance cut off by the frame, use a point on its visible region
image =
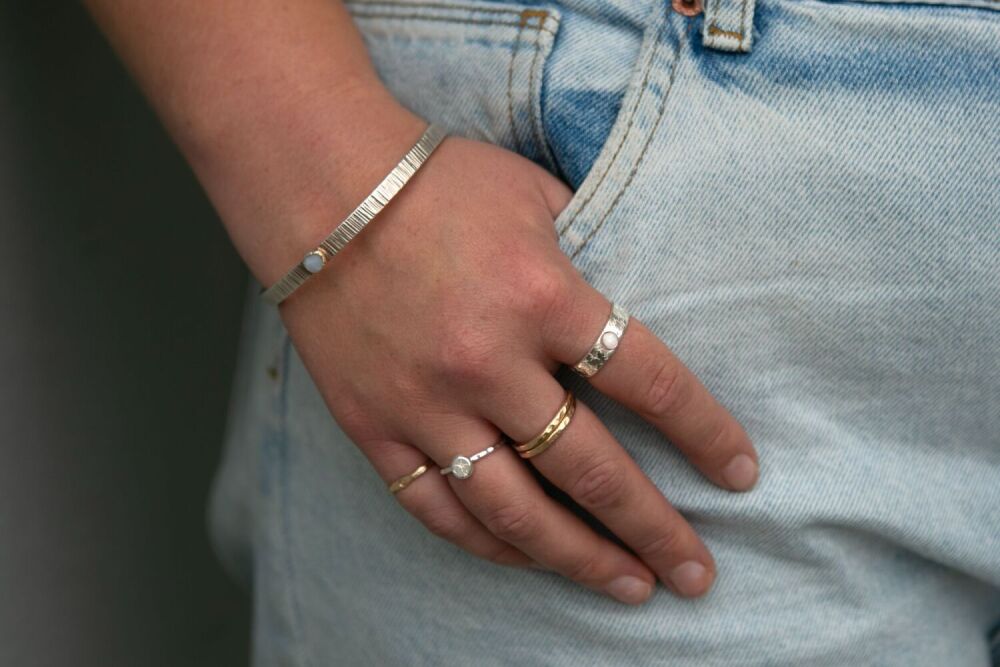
(440, 326)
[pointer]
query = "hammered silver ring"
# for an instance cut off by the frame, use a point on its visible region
(606, 343)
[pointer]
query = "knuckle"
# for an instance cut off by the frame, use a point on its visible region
(539, 291)
(601, 486)
(448, 524)
(352, 416)
(468, 358)
(716, 446)
(586, 569)
(666, 543)
(668, 390)
(515, 522)
(505, 555)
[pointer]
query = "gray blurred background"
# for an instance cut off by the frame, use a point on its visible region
(120, 303)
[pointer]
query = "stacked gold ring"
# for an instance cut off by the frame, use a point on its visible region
(552, 430)
(406, 480)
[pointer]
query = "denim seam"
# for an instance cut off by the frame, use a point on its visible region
(643, 89)
(442, 19)
(510, 85)
(715, 14)
(535, 101)
(296, 623)
(712, 20)
(642, 153)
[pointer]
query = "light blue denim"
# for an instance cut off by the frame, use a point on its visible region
(802, 198)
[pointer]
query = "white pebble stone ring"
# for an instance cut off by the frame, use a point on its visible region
(606, 343)
(461, 466)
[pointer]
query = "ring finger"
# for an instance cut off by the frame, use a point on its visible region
(508, 500)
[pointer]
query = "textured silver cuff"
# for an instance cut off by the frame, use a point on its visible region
(316, 259)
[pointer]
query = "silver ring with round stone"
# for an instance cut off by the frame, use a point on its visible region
(461, 466)
(606, 343)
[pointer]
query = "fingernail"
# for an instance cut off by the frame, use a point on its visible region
(630, 590)
(740, 473)
(689, 578)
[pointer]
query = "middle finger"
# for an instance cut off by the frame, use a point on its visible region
(593, 468)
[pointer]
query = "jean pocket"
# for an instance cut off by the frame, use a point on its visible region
(473, 66)
(596, 207)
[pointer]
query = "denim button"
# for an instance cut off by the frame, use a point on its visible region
(687, 7)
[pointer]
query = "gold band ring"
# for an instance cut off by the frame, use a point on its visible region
(552, 431)
(406, 480)
(550, 427)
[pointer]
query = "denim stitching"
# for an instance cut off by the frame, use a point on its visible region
(714, 29)
(743, 22)
(713, 22)
(536, 118)
(443, 19)
(628, 131)
(510, 85)
(286, 519)
(642, 153)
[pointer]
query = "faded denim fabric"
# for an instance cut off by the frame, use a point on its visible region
(802, 198)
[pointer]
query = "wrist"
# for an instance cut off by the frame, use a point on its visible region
(282, 178)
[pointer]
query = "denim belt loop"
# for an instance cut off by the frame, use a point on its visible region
(728, 25)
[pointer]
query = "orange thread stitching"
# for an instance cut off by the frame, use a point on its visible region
(715, 16)
(732, 34)
(628, 131)
(641, 156)
(529, 14)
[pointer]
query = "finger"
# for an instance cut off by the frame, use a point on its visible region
(645, 376)
(592, 467)
(435, 505)
(507, 499)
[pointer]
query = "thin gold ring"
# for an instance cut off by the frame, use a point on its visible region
(555, 435)
(550, 427)
(552, 431)
(406, 480)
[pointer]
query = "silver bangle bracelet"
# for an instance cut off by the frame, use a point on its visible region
(316, 259)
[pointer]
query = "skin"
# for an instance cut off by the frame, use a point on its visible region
(407, 333)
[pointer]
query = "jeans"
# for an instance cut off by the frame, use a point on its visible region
(801, 198)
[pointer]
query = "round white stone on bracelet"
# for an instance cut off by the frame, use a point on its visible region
(314, 261)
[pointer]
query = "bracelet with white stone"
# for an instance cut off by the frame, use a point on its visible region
(606, 343)
(315, 260)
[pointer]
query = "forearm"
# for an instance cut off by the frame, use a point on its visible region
(275, 105)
